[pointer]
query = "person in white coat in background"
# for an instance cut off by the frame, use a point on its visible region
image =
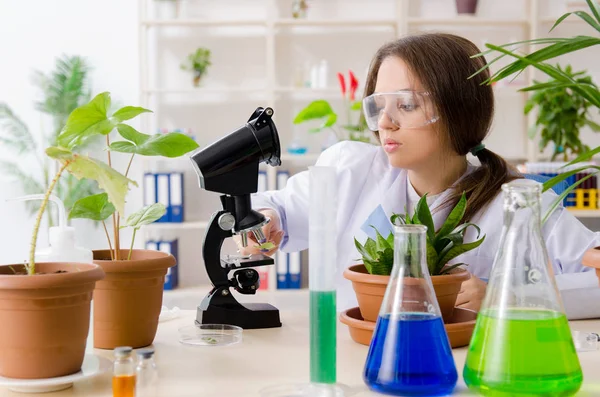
(427, 115)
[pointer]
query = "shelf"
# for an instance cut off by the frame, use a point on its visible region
(570, 19)
(203, 22)
(299, 158)
(467, 20)
(207, 90)
(177, 226)
(375, 23)
(586, 213)
(307, 91)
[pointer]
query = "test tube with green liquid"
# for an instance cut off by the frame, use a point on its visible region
(322, 268)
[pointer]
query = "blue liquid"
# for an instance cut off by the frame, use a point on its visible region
(297, 150)
(411, 357)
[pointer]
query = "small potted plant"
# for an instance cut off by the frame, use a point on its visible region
(466, 6)
(197, 62)
(370, 278)
(561, 113)
(127, 302)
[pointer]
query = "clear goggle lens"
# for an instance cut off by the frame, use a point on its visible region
(405, 109)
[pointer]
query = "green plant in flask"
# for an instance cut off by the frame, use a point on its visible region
(522, 344)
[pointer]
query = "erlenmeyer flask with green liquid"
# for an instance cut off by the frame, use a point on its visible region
(522, 344)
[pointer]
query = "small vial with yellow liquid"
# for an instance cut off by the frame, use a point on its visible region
(123, 381)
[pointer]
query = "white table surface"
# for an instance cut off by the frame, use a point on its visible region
(268, 357)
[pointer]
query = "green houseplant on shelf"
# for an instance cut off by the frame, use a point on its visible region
(63, 89)
(554, 48)
(353, 129)
(197, 62)
(561, 114)
(370, 278)
(127, 302)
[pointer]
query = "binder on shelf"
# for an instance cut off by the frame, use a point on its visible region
(295, 270)
(172, 277)
(281, 264)
(149, 189)
(176, 197)
(162, 195)
(282, 178)
(152, 245)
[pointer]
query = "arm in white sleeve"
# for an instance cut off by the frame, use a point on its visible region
(291, 203)
(567, 239)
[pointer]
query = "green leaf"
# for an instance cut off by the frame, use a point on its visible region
(146, 215)
(59, 153)
(131, 134)
(454, 218)
(86, 121)
(127, 113)
(363, 251)
(390, 239)
(559, 20)
(170, 145)
(458, 250)
(594, 126)
(447, 269)
(356, 105)
(112, 182)
(595, 8)
(96, 207)
(371, 247)
(561, 177)
(383, 266)
(317, 110)
(266, 246)
(583, 157)
(588, 18)
(424, 215)
(381, 243)
(432, 258)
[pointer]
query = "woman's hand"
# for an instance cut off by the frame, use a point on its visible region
(471, 293)
(272, 233)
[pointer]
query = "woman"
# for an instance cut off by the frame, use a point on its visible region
(427, 114)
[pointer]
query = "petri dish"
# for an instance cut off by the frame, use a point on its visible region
(210, 335)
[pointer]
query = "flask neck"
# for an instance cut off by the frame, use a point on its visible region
(410, 258)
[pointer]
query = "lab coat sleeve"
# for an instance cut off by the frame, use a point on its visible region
(567, 240)
(291, 203)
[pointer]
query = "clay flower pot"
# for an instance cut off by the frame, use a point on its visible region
(45, 319)
(127, 302)
(591, 258)
(466, 6)
(370, 290)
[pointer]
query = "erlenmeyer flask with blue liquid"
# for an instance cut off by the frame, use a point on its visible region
(410, 353)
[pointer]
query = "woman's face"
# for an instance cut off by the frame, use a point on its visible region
(409, 148)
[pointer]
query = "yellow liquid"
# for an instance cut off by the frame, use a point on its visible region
(123, 386)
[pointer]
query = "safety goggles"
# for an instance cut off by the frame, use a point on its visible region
(405, 109)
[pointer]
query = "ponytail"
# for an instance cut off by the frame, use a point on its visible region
(483, 184)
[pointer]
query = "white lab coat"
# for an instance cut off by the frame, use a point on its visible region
(366, 180)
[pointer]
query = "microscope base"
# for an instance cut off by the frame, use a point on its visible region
(246, 316)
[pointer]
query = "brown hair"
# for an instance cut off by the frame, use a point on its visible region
(465, 106)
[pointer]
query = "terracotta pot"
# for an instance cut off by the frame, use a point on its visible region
(127, 302)
(466, 6)
(45, 319)
(370, 290)
(591, 258)
(459, 328)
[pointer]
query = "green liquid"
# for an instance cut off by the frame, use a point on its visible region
(526, 353)
(322, 337)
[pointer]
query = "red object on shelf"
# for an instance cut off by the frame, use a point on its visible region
(342, 83)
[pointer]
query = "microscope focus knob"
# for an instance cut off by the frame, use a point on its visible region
(226, 221)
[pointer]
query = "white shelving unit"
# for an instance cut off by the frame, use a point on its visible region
(272, 91)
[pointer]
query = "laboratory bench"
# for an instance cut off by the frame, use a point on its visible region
(270, 357)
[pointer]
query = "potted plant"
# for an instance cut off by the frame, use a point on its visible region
(197, 62)
(561, 113)
(370, 278)
(554, 48)
(45, 307)
(127, 302)
(354, 129)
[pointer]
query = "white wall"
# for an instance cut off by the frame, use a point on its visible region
(32, 34)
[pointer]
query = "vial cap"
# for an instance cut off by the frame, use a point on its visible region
(123, 351)
(145, 353)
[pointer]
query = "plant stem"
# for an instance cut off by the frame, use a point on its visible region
(132, 240)
(129, 165)
(117, 255)
(109, 243)
(38, 220)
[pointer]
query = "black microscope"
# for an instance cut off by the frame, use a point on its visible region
(231, 166)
